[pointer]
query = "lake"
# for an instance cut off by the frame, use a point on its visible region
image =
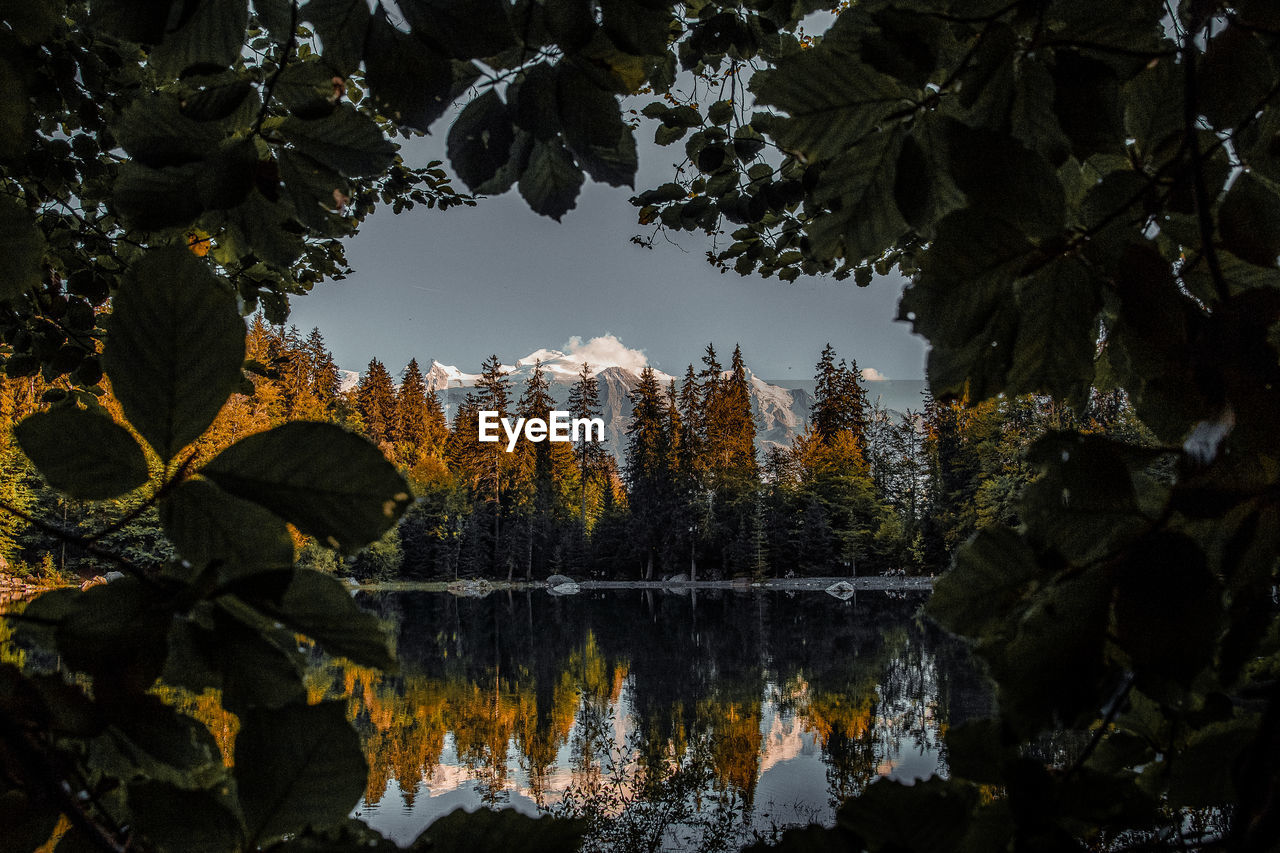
(699, 720)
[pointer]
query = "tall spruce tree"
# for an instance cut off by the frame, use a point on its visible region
(376, 402)
(690, 473)
(584, 403)
(418, 420)
(325, 379)
(647, 469)
(493, 393)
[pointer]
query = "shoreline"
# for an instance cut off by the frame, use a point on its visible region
(481, 586)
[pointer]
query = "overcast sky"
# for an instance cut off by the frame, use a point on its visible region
(459, 285)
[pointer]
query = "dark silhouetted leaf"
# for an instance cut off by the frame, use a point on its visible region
(22, 247)
(175, 348)
(190, 821)
(342, 26)
(326, 481)
(321, 607)
(408, 81)
(208, 525)
(210, 32)
(83, 454)
(461, 831)
(346, 141)
(1250, 220)
(480, 139)
(551, 180)
(296, 767)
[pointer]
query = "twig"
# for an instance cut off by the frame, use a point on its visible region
(269, 89)
(1191, 121)
(76, 539)
(1107, 720)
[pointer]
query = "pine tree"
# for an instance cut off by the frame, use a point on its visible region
(584, 403)
(326, 382)
(839, 399)
(739, 422)
(375, 401)
(416, 429)
(537, 474)
(691, 495)
(647, 468)
(493, 393)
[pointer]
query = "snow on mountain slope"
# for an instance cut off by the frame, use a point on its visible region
(780, 413)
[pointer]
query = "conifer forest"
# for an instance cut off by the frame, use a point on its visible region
(250, 606)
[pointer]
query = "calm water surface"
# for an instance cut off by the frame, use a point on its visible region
(700, 720)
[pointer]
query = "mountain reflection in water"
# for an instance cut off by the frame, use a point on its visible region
(691, 721)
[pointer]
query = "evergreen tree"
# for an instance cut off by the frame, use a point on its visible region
(647, 469)
(326, 382)
(584, 403)
(493, 393)
(839, 399)
(419, 421)
(691, 495)
(376, 403)
(545, 468)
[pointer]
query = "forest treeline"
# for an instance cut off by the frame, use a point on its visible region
(862, 490)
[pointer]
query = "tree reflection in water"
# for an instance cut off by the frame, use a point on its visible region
(694, 721)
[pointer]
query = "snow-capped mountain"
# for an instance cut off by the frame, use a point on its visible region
(780, 413)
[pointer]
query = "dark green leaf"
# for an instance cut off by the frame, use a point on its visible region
(593, 128)
(508, 830)
(533, 99)
(208, 525)
(974, 751)
(157, 132)
(992, 573)
(116, 631)
(1003, 178)
(1203, 772)
(306, 89)
(343, 838)
(341, 25)
(175, 348)
(296, 767)
(151, 199)
(190, 821)
(321, 607)
(83, 454)
(858, 191)
(27, 824)
(825, 120)
(409, 81)
(22, 249)
(1250, 220)
(128, 19)
(346, 141)
(480, 139)
(1086, 501)
(551, 180)
(1058, 334)
(327, 482)
(888, 815)
(961, 301)
(466, 29)
(1236, 76)
(252, 663)
(210, 32)
(1168, 611)
(1086, 99)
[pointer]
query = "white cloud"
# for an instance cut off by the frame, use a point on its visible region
(605, 351)
(870, 374)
